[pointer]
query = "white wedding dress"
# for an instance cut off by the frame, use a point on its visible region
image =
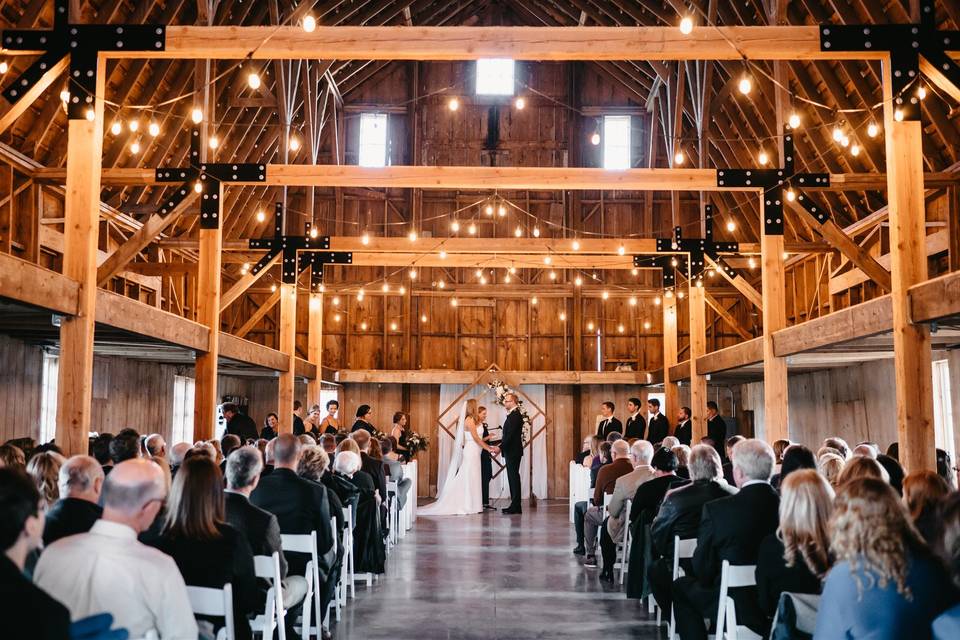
(462, 493)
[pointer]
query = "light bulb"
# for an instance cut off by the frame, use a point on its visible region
(455, 226)
(4, 67)
(752, 263)
(785, 255)
(116, 128)
(443, 254)
(309, 23)
(245, 267)
(711, 273)
(153, 129)
(791, 195)
(794, 120)
(763, 158)
(402, 290)
(197, 186)
(686, 25)
(873, 130)
(837, 134)
(413, 274)
(589, 326)
(91, 114)
(547, 260)
(921, 92)
(363, 326)
(646, 324)
(253, 80)
(699, 284)
(65, 96)
(133, 125)
(673, 262)
(855, 150)
(454, 104)
(605, 295)
(678, 158)
(536, 232)
(745, 85)
(553, 275)
(578, 281)
(135, 147)
(898, 115)
(633, 301)
(313, 232)
(512, 269)
(731, 225)
(506, 279)
(273, 288)
(478, 272)
(620, 328)
(534, 300)
(483, 280)
(845, 141)
(336, 317)
(365, 239)
(518, 232)
(634, 271)
(680, 294)
(621, 250)
(393, 326)
(472, 229)
(197, 116)
(501, 211)
(657, 301)
(385, 287)
(423, 318)
(360, 295)
(412, 236)
(214, 142)
(336, 301)
(668, 294)
(453, 302)
(294, 143)
(488, 210)
(441, 284)
(520, 103)
(595, 138)
(563, 316)
(261, 216)
(576, 245)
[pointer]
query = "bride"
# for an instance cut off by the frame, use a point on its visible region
(462, 492)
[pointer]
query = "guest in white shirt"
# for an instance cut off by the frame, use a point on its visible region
(108, 570)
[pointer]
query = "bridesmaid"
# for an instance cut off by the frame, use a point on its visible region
(330, 424)
(399, 434)
(270, 427)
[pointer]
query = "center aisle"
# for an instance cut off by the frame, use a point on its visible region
(492, 576)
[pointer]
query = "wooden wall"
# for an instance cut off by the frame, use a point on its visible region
(20, 380)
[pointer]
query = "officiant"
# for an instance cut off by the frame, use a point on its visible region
(491, 436)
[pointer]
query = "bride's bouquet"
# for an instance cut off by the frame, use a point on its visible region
(500, 390)
(416, 443)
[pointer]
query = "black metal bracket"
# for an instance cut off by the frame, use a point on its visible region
(906, 44)
(210, 176)
(820, 214)
(773, 182)
(667, 264)
(83, 43)
(299, 252)
(698, 248)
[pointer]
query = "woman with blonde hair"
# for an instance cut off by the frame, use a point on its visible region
(862, 467)
(797, 557)
(885, 582)
(830, 466)
(595, 442)
(44, 469)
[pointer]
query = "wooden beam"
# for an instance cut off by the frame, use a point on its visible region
(447, 376)
(136, 317)
(775, 418)
(259, 314)
(670, 390)
(734, 357)
(26, 100)
(935, 243)
(208, 314)
(152, 228)
(315, 342)
(234, 348)
(26, 282)
(721, 311)
(858, 321)
(246, 281)
(740, 284)
(81, 226)
(288, 347)
(935, 299)
(696, 302)
(911, 342)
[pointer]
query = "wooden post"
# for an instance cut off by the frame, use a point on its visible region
(908, 262)
(698, 347)
(81, 226)
(774, 318)
(315, 346)
(671, 392)
(288, 346)
(208, 314)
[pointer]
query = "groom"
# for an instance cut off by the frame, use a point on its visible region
(512, 448)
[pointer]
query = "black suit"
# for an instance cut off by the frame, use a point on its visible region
(717, 431)
(636, 426)
(259, 527)
(27, 610)
(684, 432)
(374, 467)
(658, 428)
(608, 426)
(298, 427)
(730, 529)
(301, 506)
(243, 426)
(68, 516)
(486, 469)
(512, 448)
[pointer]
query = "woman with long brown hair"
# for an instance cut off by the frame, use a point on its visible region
(208, 551)
(797, 557)
(923, 495)
(885, 582)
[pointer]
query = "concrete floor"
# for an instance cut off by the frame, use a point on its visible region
(492, 576)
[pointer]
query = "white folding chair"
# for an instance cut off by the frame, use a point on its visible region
(354, 576)
(682, 549)
(268, 568)
(307, 543)
(732, 577)
(393, 512)
(623, 548)
(206, 601)
(335, 601)
(348, 551)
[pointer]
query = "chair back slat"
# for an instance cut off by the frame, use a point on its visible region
(299, 542)
(206, 601)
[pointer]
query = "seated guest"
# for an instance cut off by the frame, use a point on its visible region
(369, 464)
(81, 480)
(682, 452)
(125, 446)
(584, 451)
(728, 460)
(156, 446)
(100, 449)
(641, 453)
(395, 470)
(44, 468)
(894, 470)
(207, 550)
(924, 492)
(268, 457)
(270, 426)
(364, 416)
(107, 570)
(239, 424)
(947, 625)
(368, 546)
(329, 443)
(830, 466)
(946, 470)
(313, 466)
(679, 515)
(588, 518)
(867, 450)
(175, 458)
(11, 456)
(795, 456)
(860, 467)
(668, 443)
(796, 558)
(779, 446)
(885, 582)
(840, 445)
(228, 444)
(300, 505)
(604, 457)
(730, 529)
(306, 440)
(343, 486)
(27, 611)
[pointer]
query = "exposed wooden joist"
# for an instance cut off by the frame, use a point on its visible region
(288, 347)
(246, 281)
(446, 376)
(858, 321)
(28, 283)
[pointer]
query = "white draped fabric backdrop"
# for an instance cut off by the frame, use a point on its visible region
(533, 468)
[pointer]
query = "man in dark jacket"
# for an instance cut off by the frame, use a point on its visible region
(731, 529)
(80, 481)
(716, 427)
(609, 423)
(635, 426)
(658, 427)
(679, 515)
(239, 424)
(512, 449)
(684, 430)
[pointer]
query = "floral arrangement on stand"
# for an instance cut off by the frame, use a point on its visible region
(500, 390)
(416, 443)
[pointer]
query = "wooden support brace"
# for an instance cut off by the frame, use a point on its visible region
(246, 281)
(740, 284)
(288, 346)
(26, 100)
(721, 311)
(259, 314)
(775, 418)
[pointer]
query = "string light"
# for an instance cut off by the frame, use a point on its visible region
(731, 225)
(135, 147)
(4, 67)
(621, 250)
(794, 120)
(336, 317)
(402, 290)
(520, 103)
(197, 116)
(198, 186)
(752, 263)
(711, 273)
(385, 287)
(253, 80)
(294, 143)
(91, 114)
(261, 216)
(855, 150)
(763, 158)
(518, 232)
(837, 134)
(686, 25)
(363, 326)
(506, 279)
(365, 239)
(576, 245)
(336, 301)
(873, 129)
(483, 280)
(578, 281)
(589, 326)
(634, 271)
(65, 96)
(563, 316)
(898, 115)
(699, 284)
(443, 254)
(309, 23)
(423, 318)
(453, 302)
(412, 236)
(536, 232)
(153, 129)
(680, 294)
(360, 295)
(673, 262)
(605, 295)
(845, 141)
(472, 229)
(273, 288)
(553, 275)
(501, 211)
(393, 326)
(678, 158)
(668, 294)
(595, 138)
(245, 267)
(455, 226)
(413, 274)
(133, 125)
(313, 232)
(116, 128)
(621, 328)
(534, 300)
(478, 272)
(547, 260)
(512, 270)
(646, 324)
(791, 195)
(454, 104)
(633, 301)
(214, 142)
(657, 301)
(745, 85)
(441, 284)
(489, 210)
(921, 92)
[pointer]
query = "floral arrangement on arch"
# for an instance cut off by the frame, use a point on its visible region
(500, 391)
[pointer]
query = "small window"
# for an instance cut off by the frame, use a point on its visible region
(495, 77)
(373, 140)
(616, 142)
(943, 409)
(183, 390)
(48, 401)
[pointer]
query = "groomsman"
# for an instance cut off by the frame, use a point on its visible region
(659, 428)
(486, 460)
(636, 425)
(684, 430)
(716, 428)
(608, 422)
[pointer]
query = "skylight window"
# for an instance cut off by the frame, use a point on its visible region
(495, 77)
(373, 140)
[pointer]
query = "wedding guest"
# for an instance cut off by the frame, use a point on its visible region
(27, 611)
(218, 455)
(44, 468)
(840, 445)
(795, 457)
(894, 470)
(368, 546)
(100, 449)
(593, 452)
(860, 467)
(124, 446)
(329, 444)
(682, 452)
(239, 424)
(373, 467)
(641, 453)
(342, 484)
(603, 458)
(796, 558)
(684, 429)
(716, 428)
(584, 451)
(228, 444)
(608, 422)
(658, 427)
(177, 452)
(11, 456)
(588, 518)
(885, 582)
(731, 529)
(947, 624)
(306, 439)
(867, 450)
(80, 482)
(830, 466)
(364, 416)
(779, 446)
(330, 423)
(271, 425)
(924, 493)
(946, 470)
(679, 515)
(107, 570)
(399, 433)
(395, 471)
(268, 457)
(727, 456)
(635, 426)
(298, 426)
(156, 446)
